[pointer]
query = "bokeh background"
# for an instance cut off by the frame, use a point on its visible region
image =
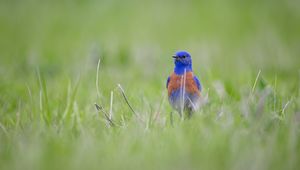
(49, 52)
(135, 39)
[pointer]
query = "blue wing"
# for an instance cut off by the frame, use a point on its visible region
(198, 83)
(168, 82)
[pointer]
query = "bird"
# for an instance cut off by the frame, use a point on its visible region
(184, 88)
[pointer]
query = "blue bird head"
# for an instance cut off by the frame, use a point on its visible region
(183, 62)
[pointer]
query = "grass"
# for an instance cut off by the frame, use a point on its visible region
(245, 53)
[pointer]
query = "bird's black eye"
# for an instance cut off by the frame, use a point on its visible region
(183, 56)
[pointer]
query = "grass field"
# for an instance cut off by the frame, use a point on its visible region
(246, 54)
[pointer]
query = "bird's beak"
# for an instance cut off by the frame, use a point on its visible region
(175, 57)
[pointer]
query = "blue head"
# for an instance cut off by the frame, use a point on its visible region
(183, 62)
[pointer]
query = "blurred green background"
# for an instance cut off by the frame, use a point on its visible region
(49, 52)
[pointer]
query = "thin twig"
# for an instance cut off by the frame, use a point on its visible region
(285, 106)
(183, 79)
(192, 103)
(256, 79)
(127, 102)
(126, 99)
(100, 108)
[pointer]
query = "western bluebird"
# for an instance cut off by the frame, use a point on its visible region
(183, 87)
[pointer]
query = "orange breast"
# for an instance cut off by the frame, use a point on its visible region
(176, 82)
